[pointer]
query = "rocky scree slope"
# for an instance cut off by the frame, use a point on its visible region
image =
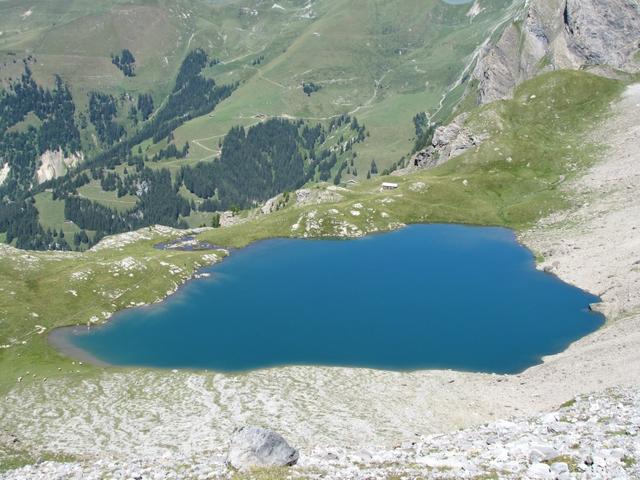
(593, 436)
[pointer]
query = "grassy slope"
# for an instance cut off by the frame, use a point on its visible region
(51, 215)
(94, 192)
(76, 38)
(536, 132)
(512, 179)
(382, 61)
(49, 290)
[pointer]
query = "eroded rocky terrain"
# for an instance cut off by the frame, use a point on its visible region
(593, 436)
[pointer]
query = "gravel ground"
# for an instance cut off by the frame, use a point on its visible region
(596, 436)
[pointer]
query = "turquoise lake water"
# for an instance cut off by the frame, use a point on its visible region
(426, 296)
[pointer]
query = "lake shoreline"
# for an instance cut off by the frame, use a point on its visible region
(598, 361)
(494, 241)
(58, 340)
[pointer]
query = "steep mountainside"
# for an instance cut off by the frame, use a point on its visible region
(73, 420)
(600, 36)
(133, 99)
(561, 34)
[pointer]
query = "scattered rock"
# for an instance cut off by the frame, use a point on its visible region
(4, 172)
(315, 196)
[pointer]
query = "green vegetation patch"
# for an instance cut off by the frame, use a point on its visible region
(571, 462)
(51, 215)
(382, 62)
(94, 192)
(269, 473)
(536, 142)
(42, 291)
(12, 458)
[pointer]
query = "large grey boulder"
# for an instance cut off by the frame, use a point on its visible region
(258, 447)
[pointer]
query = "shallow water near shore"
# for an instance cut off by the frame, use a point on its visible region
(426, 296)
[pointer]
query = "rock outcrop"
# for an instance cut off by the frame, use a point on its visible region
(258, 447)
(550, 35)
(315, 196)
(560, 34)
(54, 164)
(448, 142)
(4, 172)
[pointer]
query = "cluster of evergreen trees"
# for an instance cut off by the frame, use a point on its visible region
(309, 87)
(424, 131)
(255, 164)
(81, 238)
(172, 152)
(158, 203)
(126, 62)
(158, 199)
(56, 129)
(63, 186)
(326, 163)
(270, 158)
(193, 95)
(110, 181)
(19, 220)
(145, 105)
(93, 216)
(102, 110)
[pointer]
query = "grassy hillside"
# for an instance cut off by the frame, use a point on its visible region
(537, 141)
(382, 62)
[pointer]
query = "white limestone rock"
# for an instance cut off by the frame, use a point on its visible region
(258, 447)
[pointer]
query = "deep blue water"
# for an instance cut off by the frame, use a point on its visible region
(427, 296)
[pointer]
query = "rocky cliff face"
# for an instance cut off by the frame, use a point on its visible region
(560, 34)
(54, 164)
(4, 172)
(448, 142)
